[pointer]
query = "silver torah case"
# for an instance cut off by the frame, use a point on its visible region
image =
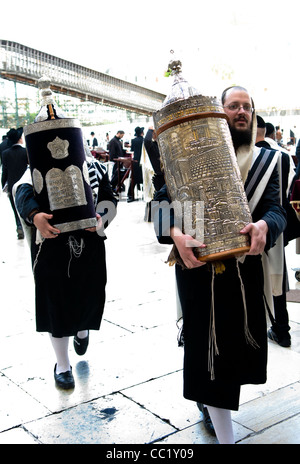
(200, 167)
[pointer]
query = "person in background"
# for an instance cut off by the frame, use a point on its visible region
(279, 331)
(15, 163)
(3, 146)
(137, 175)
(116, 150)
(94, 143)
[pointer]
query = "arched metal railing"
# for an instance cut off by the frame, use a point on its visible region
(26, 65)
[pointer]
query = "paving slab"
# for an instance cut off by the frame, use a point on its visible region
(113, 419)
(107, 367)
(16, 406)
(18, 436)
(272, 409)
(284, 433)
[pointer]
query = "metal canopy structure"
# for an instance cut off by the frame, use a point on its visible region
(26, 65)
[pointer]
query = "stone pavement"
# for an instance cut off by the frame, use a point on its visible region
(129, 383)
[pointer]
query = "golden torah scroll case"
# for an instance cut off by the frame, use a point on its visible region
(200, 168)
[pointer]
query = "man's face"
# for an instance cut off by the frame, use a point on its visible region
(238, 107)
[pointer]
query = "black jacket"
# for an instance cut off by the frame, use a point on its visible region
(115, 148)
(15, 162)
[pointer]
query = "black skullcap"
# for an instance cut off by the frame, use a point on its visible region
(14, 135)
(260, 122)
(269, 129)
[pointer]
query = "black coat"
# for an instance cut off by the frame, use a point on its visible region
(69, 289)
(15, 162)
(136, 147)
(238, 362)
(115, 148)
(152, 149)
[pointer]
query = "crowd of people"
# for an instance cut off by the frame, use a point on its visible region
(238, 350)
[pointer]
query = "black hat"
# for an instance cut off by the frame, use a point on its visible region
(260, 122)
(269, 129)
(14, 135)
(138, 131)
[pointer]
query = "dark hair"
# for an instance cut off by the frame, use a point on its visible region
(269, 129)
(260, 122)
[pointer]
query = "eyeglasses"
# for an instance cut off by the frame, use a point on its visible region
(236, 107)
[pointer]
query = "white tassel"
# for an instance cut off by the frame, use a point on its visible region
(37, 255)
(75, 249)
(249, 339)
(212, 343)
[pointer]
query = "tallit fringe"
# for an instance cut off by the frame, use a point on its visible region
(180, 335)
(249, 339)
(75, 249)
(212, 337)
(37, 256)
(212, 340)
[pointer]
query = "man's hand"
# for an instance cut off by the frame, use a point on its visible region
(98, 226)
(41, 222)
(185, 245)
(258, 234)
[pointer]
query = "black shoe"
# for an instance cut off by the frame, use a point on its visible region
(64, 380)
(284, 341)
(206, 419)
(20, 234)
(130, 199)
(81, 344)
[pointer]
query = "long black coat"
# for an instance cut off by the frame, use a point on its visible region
(136, 147)
(69, 287)
(15, 162)
(115, 148)
(237, 362)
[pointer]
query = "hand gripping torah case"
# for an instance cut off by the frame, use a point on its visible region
(200, 167)
(59, 170)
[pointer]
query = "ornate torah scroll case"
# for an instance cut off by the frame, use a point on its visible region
(200, 167)
(58, 166)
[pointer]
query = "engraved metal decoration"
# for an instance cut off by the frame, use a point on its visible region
(38, 181)
(65, 188)
(59, 148)
(200, 166)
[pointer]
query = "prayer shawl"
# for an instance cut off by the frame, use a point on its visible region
(148, 173)
(263, 164)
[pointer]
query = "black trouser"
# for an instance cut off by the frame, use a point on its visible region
(281, 324)
(17, 218)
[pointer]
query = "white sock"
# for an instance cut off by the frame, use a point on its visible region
(221, 419)
(61, 346)
(82, 333)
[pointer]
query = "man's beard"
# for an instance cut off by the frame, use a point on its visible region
(241, 137)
